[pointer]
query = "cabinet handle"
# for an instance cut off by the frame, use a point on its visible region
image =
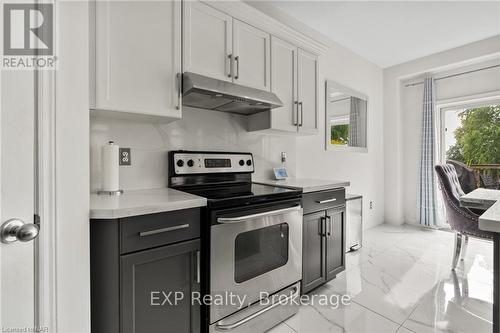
(301, 114)
(237, 60)
(179, 91)
(322, 226)
(198, 267)
(230, 58)
(326, 201)
(329, 226)
(160, 231)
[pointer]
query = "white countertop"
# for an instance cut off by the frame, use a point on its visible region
(485, 199)
(490, 220)
(306, 185)
(480, 198)
(140, 202)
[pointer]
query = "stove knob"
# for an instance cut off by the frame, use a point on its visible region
(249, 162)
(190, 163)
(242, 162)
(180, 163)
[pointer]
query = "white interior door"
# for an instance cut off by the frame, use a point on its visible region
(17, 288)
(252, 59)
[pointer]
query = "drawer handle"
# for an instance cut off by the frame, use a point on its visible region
(159, 231)
(327, 201)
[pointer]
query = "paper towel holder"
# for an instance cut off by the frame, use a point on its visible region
(110, 193)
(110, 151)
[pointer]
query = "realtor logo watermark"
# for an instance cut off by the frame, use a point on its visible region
(28, 36)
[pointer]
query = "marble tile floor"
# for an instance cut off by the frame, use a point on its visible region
(401, 281)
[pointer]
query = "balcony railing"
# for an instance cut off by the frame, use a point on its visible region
(487, 175)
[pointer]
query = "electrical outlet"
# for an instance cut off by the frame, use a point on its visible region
(371, 204)
(125, 157)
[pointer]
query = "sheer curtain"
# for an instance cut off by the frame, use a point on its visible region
(427, 195)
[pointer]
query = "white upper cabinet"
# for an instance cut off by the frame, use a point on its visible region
(251, 62)
(307, 90)
(207, 41)
(218, 46)
(294, 79)
(283, 73)
(137, 58)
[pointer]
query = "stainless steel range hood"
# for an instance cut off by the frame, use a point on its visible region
(207, 93)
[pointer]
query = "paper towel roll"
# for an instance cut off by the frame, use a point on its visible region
(110, 172)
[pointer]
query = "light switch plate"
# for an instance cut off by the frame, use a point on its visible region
(125, 156)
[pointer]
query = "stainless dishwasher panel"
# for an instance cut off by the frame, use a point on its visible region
(354, 222)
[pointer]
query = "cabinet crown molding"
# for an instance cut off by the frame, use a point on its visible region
(248, 14)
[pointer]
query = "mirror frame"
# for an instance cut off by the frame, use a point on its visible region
(329, 84)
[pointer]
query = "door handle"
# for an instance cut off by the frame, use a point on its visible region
(237, 60)
(258, 215)
(301, 114)
(16, 230)
(230, 58)
(293, 293)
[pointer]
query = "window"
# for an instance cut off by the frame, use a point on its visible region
(470, 139)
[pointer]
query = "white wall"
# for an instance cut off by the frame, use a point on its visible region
(402, 112)
(307, 157)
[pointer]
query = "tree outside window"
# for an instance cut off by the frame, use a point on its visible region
(478, 139)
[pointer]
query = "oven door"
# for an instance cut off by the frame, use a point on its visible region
(252, 254)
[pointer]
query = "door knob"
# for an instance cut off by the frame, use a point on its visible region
(16, 230)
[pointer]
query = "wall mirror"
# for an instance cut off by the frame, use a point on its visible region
(346, 118)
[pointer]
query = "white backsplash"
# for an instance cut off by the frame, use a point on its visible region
(198, 130)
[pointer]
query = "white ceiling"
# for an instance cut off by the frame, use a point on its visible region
(389, 33)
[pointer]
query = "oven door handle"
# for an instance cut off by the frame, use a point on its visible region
(258, 215)
(228, 327)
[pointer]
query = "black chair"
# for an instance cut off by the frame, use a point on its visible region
(461, 220)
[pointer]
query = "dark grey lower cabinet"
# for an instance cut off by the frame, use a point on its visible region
(335, 238)
(313, 253)
(137, 265)
(156, 289)
(323, 256)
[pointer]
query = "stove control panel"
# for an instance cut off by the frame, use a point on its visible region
(185, 163)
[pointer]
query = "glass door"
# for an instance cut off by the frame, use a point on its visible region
(469, 140)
